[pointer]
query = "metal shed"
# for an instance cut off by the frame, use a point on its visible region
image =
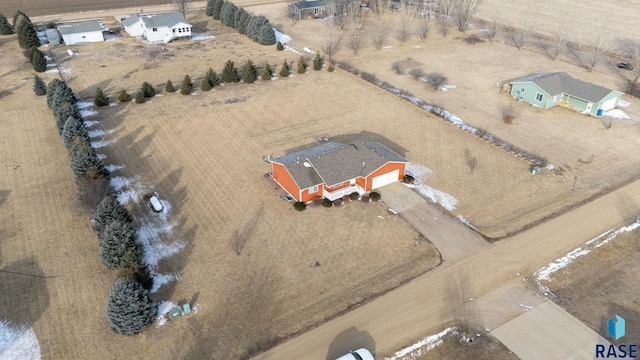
(53, 36)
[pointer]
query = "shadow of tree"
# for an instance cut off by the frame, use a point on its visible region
(25, 295)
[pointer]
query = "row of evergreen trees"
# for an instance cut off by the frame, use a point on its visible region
(230, 74)
(129, 308)
(257, 28)
(22, 25)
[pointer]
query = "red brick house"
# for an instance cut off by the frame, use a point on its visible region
(333, 170)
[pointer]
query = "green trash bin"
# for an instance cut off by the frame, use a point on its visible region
(186, 308)
(175, 313)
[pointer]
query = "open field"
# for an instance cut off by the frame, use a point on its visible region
(601, 284)
(203, 155)
(577, 145)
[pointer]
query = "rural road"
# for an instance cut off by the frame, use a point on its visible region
(424, 305)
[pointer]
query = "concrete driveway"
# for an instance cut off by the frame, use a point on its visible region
(549, 332)
(399, 197)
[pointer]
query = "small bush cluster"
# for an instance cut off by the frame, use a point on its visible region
(267, 72)
(327, 203)
(435, 80)
(284, 70)
(374, 196)
(257, 28)
(408, 179)
(397, 67)
(299, 206)
(302, 65)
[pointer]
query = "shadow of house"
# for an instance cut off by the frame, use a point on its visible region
(351, 339)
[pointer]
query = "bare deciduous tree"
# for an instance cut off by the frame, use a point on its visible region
(380, 30)
(241, 236)
(493, 26)
(463, 12)
(291, 12)
(509, 112)
(630, 49)
(423, 27)
(446, 12)
(332, 42)
(356, 27)
(406, 14)
(520, 35)
(182, 6)
(435, 80)
(599, 47)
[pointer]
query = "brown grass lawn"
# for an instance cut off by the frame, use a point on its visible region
(203, 154)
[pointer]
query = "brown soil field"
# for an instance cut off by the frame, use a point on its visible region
(601, 284)
(202, 154)
(39, 8)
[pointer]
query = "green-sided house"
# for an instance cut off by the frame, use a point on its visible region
(550, 89)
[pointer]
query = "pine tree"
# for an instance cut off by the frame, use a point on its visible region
(39, 87)
(17, 14)
(254, 27)
(228, 14)
(123, 96)
(209, 8)
(217, 7)
(209, 81)
(29, 54)
(5, 27)
(204, 85)
(140, 97)
(63, 112)
(27, 36)
(317, 62)
(302, 65)
(61, 93)
(223, 12)
(244, 22)
(129, 308)
(266, 72)
(237, 18)
(147, 90)
(38, 61)
(168, 87)
(117, 241)
(110, 210)
(284, 72)
(100, 99)
(51, 89)
(73, 128)
(134, 268)
(85, 162)
(267, 35)
(249, 72)
(230, 73)
(279, 46)
(187, 85)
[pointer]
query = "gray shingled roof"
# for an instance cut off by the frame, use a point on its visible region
(159, 20)
(334, 163)
(79, 28)
(130, 20)
(309, 4)
(560, 82)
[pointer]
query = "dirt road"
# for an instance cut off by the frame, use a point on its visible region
(422, 306)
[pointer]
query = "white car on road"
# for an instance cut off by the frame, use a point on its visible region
(360, 354)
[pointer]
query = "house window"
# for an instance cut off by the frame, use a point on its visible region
(83, 36)
(315, 11)
(155, 29)
(539, 97)
(313, 189)
(180, 30)
(521, 90)
(174, 30)
(555, 98)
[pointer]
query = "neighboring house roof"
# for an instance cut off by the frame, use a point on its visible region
(79, 28)
(334, 163)
(131, 20)
(561, 82)
(309, 4)
(167, 19)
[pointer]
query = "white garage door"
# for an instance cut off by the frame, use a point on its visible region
(385, 179)
(609, 104)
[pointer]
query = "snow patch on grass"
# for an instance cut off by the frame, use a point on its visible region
(18, 343)
(201, 36)
(90, 123)
(282, 38)
(467, 222)
(163, 309)
(623, 103)
(162, 279)
(84, 104)
(421, 347)
(446, 87)
(113, 168)
(544, 274)
(616, 114)
(87, 113)
(100, 144)
(102, 156)
(420, 173)
(97, 133)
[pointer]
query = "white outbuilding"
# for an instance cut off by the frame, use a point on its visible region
(158, 27)
(81, 33)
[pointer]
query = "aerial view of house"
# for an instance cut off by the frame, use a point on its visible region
(550, 89)
(319, 179)
(158, 27)
(334, 170)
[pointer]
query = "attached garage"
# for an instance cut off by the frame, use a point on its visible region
(609, 104)
(385, 179)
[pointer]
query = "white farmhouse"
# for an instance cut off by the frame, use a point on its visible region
(81, 33)
(158, 27)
